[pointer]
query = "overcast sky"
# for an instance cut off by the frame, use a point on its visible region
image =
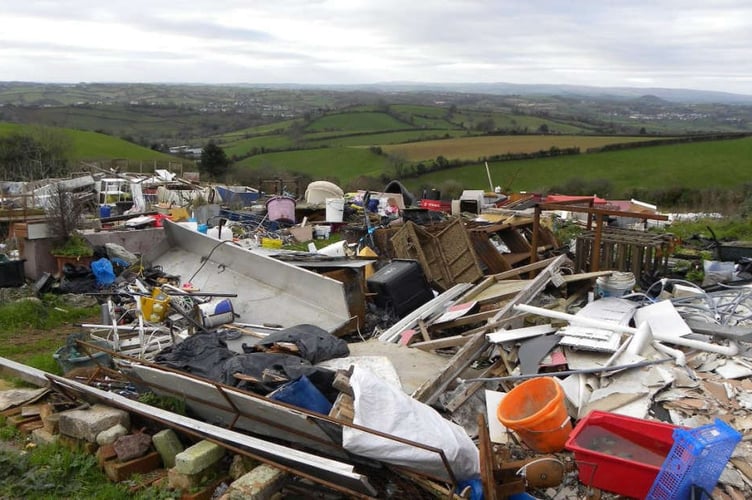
(686, 44)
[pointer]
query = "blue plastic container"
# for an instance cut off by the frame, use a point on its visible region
(303, 393)
(105, 211)
(697, 458)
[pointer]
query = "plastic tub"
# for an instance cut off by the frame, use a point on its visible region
(609, 448)
(69, 357)
(335, 209)
(616, 285)
(281, 208)
(304, 394)
(535, 410)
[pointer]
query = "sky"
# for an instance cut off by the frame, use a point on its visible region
(683, 44)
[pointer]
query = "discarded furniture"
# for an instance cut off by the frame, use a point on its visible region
(515, 234)
(447, 256)
(624, 250)
(597, 250)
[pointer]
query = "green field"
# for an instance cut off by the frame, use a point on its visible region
(356, 122)
(340, 164)
(90, 146)
(471, 148)
(722, 164)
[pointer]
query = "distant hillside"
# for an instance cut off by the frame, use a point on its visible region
(685, 96)
(93, 146)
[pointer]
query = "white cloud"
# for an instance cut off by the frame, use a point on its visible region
(671, 43)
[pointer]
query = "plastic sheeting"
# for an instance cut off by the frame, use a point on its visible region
(380, 406)
(314, 343)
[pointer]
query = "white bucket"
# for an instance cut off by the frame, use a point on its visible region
(616, 285)
(214, 314)
(335, 209)
(322, 232)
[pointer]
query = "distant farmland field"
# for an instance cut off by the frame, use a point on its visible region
(472, 148)
(697, 165)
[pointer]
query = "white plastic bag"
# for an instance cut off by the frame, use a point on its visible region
(380, 406)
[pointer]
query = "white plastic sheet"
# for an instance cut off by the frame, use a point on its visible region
(381, 406)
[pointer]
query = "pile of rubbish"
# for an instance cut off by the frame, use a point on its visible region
(470, 353)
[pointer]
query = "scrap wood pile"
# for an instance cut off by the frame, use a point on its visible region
(475, 300)
(674, 353)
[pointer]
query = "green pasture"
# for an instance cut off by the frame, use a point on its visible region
(694, 165)
(386, 138)
(93, 145)
(252, 132)
(510, 121)
(342, 164)
(356, 122)
(418, 110)
(471, 148)
(243, 147)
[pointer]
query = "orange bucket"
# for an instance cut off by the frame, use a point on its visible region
(535, 410)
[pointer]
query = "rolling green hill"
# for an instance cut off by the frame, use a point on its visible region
(91, 146)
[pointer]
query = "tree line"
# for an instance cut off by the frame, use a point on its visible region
(40, 153)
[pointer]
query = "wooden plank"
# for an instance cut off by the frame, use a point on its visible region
(430, 390)
(453, 341)
(487, 461)
(523, 269)
(462, 321)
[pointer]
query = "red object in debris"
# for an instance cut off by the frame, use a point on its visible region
(436, 205)
(159, 218)
(620, 454)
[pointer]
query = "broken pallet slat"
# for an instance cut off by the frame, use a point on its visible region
(430, 390)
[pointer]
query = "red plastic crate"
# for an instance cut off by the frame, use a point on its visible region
(627, 464)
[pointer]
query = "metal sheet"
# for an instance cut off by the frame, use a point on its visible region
(230, 407)
(268, 291)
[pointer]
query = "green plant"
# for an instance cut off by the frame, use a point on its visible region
(168, 403)
(54, 471)
(74, 245)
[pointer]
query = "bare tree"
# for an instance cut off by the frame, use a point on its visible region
(64, 212)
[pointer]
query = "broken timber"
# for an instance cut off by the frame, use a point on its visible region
(430, 390)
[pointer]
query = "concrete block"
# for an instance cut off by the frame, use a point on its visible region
(185, 482)
(259, 484)
(109, 436)
(198, 457)
(168, 445)
(51, 423)
(41, 437)
(87, 424)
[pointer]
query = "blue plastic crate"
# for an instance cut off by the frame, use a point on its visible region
(697, 458)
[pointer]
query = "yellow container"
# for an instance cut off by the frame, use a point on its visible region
(155, 307)
(271, 243)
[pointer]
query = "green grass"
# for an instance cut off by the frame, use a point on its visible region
(22, 321)
(356, 122)
(326, 163)
(384, 138)
(51, 472)
(695, 165)
(261, 130)
(96, 146)
(726, 229)
(244, 146)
